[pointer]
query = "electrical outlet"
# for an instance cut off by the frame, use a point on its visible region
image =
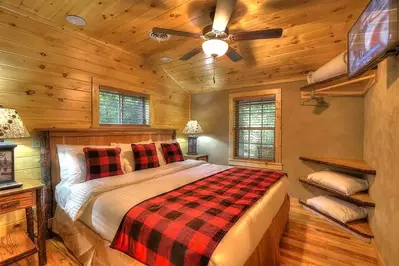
(35, 142)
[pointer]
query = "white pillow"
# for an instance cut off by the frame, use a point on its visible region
(127, 154)
(161, 158)
(343, 183)
(339, 209)
(72, 162)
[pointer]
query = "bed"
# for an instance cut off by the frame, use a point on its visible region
(89, 229)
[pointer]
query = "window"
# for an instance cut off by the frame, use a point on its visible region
(255, 135)
(116, 108)
(254, 126)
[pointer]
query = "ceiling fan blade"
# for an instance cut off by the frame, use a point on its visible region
(246, 50)
(233, 55)
(191, 54)
(256, 35)
(177, 33)
(224, 10)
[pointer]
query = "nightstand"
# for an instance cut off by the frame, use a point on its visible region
(18, 245)
(198, 157)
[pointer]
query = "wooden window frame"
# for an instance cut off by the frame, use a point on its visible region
(96, 110)
(257, 163)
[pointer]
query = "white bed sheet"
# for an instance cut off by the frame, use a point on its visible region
(81, 194)
(105, 213)
(234, 249)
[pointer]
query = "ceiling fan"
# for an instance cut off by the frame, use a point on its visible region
(217, 34)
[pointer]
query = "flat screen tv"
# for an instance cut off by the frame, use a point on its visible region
(373, 36)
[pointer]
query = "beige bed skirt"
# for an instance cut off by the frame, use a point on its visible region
(267, 253)
(92, 250)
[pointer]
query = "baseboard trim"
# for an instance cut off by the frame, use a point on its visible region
(379, 256)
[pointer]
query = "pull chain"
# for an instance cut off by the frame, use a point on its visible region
(214, 69)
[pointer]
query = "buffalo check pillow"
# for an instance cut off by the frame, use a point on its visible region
(145, 156)
(172, 152)
(102, 162)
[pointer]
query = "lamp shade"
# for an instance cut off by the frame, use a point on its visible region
(215, 47)
(192, 127)
(11, 126)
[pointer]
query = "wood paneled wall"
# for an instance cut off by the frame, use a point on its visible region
(46, 74)
(314, 32)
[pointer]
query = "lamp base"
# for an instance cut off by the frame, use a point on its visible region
(10, 185)
(192, 145)
(7, 173)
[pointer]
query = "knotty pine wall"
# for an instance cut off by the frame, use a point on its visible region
(46, 75)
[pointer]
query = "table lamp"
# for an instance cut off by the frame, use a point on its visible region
(11, 127)
(192, 129)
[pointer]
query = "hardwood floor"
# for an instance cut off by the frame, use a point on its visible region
(313, 241)
(309, 240)
(57, 255)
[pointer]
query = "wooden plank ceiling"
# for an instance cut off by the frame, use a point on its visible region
(314, 32)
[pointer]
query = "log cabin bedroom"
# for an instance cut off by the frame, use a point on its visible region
(199, 132)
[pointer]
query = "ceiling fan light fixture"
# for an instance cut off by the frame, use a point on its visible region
(215, 47)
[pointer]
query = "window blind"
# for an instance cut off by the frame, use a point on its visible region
(123, 109)
(254, 126)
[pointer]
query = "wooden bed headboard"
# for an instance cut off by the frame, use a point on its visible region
(49, 138)
(98, 137)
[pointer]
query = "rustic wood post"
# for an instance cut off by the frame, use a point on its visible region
(42, 225)
(45, 164)
(174, 134)
(29, 223)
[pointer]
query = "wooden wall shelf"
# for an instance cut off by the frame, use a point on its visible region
(346, 164)
(361, 198)
(359, 227)
(341, 86)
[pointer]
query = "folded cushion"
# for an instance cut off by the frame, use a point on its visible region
(145, 156)
(161, 157)
(340, 182)
(127, 154)
(102, 162)
(341, 210)
(172, 152)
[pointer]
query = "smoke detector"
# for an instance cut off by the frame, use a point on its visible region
(160, 37)
(166, 59)
(75, 20)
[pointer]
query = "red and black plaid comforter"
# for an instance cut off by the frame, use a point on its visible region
(184, 226)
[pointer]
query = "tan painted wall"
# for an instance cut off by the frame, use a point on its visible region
(45, 74)
(381, 150)
(336, 132)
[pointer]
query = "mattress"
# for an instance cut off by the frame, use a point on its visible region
(104, 213)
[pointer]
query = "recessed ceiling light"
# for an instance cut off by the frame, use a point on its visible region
(75, 20)
(166, 59)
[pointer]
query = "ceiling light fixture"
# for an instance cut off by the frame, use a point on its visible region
(215, 47)
(75, 20)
